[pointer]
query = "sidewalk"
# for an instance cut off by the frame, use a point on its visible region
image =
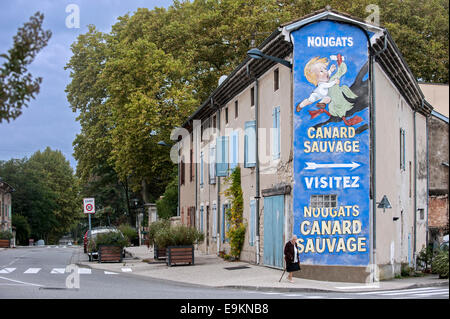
(211, 271)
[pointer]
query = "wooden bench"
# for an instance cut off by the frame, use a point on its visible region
(4, 243)
(180, 254)
(109, 253)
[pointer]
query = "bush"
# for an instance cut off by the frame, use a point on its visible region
(110, 239)
(179, 235)
(440, 264)
(4, 234)
(129, 232)
(155, 227)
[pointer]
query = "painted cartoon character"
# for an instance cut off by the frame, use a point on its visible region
(338, 98)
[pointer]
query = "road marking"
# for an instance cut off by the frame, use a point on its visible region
(314, 297)
(21, 282)
(360, 287)
(58, 271)
(395, 291)
(441, 292)
(32, 270)
(126, 270)
(7, 270)
(110, 273)
(84, 271)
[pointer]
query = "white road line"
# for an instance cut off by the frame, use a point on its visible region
(394, 291)
(126, 269)
(314, 297)
(58, 271)
(84, 271)
(32, 270)
(444, 292)
(21, 282)
(359, 287)
(110, 273)
(7, 270)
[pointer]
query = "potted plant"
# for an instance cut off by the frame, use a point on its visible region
(130, 233)
(110, 246)
(179, 242)
(5, 239)
(159, 225)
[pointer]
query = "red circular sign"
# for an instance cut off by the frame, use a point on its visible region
(89, 207)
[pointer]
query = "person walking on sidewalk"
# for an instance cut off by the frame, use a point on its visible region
(291, 257)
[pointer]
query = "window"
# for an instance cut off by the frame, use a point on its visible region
(236, 109)
(222, 156)
(402, 150)
(201, 169)
(212, 164)
(252, 96)
(421, 213)
(323, 201)
(182, 170)
(201, 217)
(276, 80)
(226, 115)
(252, 232)
(214, 119)
(276, 133)
(250, 144)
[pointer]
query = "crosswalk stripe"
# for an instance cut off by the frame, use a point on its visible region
(58, 271)
(110, 273)
(126, 270)
(7, 270)
(407, 292)
(32, 270)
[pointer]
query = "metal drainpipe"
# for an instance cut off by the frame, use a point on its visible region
(428, 176)
(257, 197)
(218, 237)
(415, 190)
(373, 258)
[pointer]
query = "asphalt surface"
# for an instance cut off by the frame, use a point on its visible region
(41, 273)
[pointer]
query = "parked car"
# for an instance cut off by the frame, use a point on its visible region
(100, 230)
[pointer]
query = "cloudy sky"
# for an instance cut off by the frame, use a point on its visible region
(49, 120)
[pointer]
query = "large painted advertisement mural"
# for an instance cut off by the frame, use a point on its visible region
(331, 144)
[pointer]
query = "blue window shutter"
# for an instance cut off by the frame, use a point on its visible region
(234, 149)
(276, 133)
(222, 156)
(222, 232)
(252, 223)
(250, 144)
(201, 218)
(201, 169)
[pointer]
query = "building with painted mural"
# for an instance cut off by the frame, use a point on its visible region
(330, 137)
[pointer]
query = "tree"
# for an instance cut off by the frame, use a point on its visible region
(23, 229)
(46, 193)
(17, 86)
(167, 205)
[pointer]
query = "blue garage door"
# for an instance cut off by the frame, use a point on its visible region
(273, 231)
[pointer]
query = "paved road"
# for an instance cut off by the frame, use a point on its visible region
(40, 272)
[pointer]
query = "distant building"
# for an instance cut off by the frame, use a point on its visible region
(332, 145)
(438, 160)
(5, 205)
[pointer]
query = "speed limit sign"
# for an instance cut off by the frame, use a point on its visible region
(89, 205)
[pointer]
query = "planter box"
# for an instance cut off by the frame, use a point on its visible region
(180, 255)
(5, 243)
(159, 253)
(109, 253)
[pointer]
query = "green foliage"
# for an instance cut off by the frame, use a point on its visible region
(425, 257)
(17, 86)
(46, 193)
(440, 264)
(178, 235)
(167, 205)
(5, 234)
(23, 229)
(129, 232)
(110, 239)
(234, 215)
(155, 227)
